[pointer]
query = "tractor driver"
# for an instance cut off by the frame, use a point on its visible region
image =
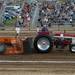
(44, 28)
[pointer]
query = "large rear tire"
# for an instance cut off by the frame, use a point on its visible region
(43, 44)
(28, 45)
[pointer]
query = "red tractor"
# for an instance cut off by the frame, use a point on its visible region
(45, 41)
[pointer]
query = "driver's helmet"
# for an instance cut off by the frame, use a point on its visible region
(44, 28)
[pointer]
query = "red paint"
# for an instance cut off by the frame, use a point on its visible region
(65, 34)
(66, 42)
(43, 33)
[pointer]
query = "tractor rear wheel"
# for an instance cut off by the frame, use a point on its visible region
(43, 44)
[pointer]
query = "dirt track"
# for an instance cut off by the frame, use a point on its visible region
(39, 68)
(53, 55)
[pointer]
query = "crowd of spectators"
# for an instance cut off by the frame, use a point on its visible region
(1, 4)
(26, 14)
(52, 12)
(57, 13)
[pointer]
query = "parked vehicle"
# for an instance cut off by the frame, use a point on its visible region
(6, 16)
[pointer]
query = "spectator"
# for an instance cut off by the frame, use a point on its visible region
(52, 12)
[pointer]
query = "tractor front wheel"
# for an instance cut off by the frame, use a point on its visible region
(72, 48)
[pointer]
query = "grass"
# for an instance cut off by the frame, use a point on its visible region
(10, 22)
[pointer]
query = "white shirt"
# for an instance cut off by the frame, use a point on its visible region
(18, 30)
